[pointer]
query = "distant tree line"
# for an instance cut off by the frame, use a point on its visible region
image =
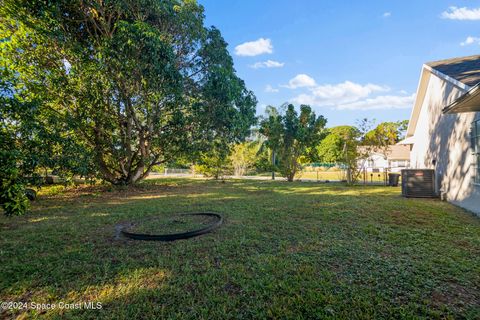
(286, 141)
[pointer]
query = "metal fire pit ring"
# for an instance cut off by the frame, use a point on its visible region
(177, 236)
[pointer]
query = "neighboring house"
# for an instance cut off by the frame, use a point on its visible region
(444, 128)
(393, 158)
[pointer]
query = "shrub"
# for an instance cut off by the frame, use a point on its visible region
(13, 198)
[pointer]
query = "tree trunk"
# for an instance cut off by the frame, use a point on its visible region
(273, 165)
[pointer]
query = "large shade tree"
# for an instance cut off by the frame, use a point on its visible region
(133, 83)
(32, 138)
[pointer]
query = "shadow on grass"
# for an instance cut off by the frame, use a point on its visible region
(284, 248)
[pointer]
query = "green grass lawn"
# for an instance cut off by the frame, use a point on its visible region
(286, 250)
(321, 175)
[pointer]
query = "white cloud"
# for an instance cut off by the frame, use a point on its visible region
(254, 48)
(335, 94)
(454, 13)
(470, 40)
(267, 64)
(380, 102)
(349, 95)
(300, 81)
(387, 14)
(271, 89)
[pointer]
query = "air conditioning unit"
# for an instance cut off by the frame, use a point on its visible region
(418, 183)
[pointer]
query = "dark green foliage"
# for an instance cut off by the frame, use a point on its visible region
(340, 144)
(263, 161)
(33, 135)
(13, 199)
(15, 160)
(215, 162)
(293, 137)
(351, 146)
(341, 147)
(125, 86)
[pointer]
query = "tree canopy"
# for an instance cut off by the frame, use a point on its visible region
(129, 85)
(387, 133)
(243, 157)
(338, 141)
(292, 136)
(350, 145)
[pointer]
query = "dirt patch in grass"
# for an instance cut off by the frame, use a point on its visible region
(456, 296)
(232, 289)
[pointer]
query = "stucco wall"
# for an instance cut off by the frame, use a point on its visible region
(379, 162)
(442, 142)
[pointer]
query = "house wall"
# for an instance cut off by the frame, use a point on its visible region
(379, 162)
(442, 142)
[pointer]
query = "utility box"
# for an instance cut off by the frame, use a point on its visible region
(418, 183)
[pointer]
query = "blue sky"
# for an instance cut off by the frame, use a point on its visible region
(347, 59)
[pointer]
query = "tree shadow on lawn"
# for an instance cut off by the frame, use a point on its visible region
(333, 247)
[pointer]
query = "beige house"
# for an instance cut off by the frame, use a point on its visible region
(444, 128)
(393, 158)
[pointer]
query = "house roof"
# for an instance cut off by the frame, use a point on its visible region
(462, 72)
(464, 69)
(469, 102)
(398, 152)
(394, 152)
(407, 141)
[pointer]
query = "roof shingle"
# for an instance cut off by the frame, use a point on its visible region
(463, 69)
(392, 152)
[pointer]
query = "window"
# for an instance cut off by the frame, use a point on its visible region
(475, 135)
(398, 163)
(403, 163)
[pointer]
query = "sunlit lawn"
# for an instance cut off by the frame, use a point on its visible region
(338, 175)
(286, 250)
(331, 175)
